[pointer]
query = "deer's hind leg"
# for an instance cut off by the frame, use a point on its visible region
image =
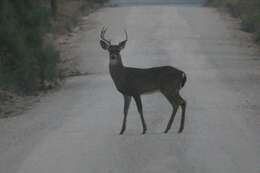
(171, 97)
(171, 92)
(183, 107)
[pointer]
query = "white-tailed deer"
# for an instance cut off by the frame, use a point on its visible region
(132, 82)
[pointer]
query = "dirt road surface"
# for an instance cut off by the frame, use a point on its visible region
(75, 130)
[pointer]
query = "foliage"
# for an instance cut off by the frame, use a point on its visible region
(25, 61)
(248, 11)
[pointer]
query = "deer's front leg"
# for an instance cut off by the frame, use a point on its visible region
(127, 101)
(140, 110)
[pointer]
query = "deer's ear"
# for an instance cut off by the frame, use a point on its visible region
(104, 45)
(122, 45)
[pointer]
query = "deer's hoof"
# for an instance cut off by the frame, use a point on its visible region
(180, 131)
(165, 131)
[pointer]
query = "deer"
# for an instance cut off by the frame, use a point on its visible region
(133, 82)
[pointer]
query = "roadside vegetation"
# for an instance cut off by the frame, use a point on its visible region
(29, 58)
(27, 61)
(247, 10)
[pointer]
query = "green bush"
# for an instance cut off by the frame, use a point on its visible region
(25, 63)
(257, 39)
(250, 23)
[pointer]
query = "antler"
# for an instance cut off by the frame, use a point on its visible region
(126, 36)
(102, 36)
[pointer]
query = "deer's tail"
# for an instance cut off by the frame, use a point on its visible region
(184, 79)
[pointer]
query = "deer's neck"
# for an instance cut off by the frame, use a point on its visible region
(117, 73)
(116, 68)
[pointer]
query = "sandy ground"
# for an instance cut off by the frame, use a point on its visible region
(76, 129)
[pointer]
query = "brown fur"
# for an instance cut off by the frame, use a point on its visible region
(133, 82)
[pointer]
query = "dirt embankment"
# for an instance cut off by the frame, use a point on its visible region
(69, 12)
(69, 15)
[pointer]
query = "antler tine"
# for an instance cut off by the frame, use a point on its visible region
(102, 35)
(126, 36)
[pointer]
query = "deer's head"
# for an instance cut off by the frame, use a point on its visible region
(114, 50)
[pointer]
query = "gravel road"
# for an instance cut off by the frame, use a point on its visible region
(75, 130)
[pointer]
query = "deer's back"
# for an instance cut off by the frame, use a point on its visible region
(138, 81)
